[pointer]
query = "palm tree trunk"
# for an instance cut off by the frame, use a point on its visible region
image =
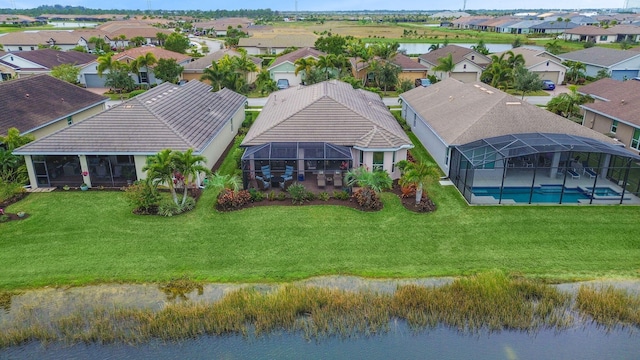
(419, 193)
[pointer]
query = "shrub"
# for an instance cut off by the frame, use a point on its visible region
(408, 190)
(368, 199)
(189, 204)
(341, 195)
(135, 92)
(256, 196)
(324, 196)
(309, 196)
(281, 196)
(169, 208)
(271, 196)
(232, 200)
(4, 218)
(142, 195)
(298, 193)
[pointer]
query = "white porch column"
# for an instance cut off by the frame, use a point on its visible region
(31, 171)
(555, 161)
(605, 166)
(84, 169)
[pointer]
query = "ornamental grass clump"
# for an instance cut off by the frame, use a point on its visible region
(609, 306)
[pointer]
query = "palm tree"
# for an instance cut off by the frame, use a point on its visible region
(143, 61)
(445, 64)
(576, 70)
(264, 83)
(434, 47)
(214, 75)
(377, 180)
(105, 63)
(188, 166)
(160, 169)
(553, 47)
(244, 65)
(420, 174)
(325, 63)
(481, 47)
(568, 104)
(304, 64)
(226, 181)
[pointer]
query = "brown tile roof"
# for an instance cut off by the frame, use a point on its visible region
(531, 56)
(626, 29)
(32, 102)
(330, 111)
(61, 37)
(464, 112)
(589, 30)
(298, 54)
(223, 24)
(50, 58)
(159, 53)
(298, 41)
(407, 64)
(458, 53)
(167, 116)
(622, 99)
(205, 61)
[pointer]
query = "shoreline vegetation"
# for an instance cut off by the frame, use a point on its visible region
(485, 302)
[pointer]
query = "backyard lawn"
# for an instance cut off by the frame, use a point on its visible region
(74, 238)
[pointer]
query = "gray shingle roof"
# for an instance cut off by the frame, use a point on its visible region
(168, 116)
(331, 111)
(461, 113)
(600, 56)
(35, 101)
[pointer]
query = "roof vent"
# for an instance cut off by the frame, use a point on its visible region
(483, 89)
(26, 95)
(489, 92)
(476, 85)
(514, 103)
(622, 101)
(450, 97)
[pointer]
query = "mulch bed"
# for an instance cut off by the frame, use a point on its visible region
(13, 217)
(14, 199)
(288, 202)
(195, 193)
(409, 203)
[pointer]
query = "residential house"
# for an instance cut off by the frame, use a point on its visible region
(496, 148)
(111, 148)
(27, 63)
(89, 73)
(552, 27)
(469, 63)
(32, 39)
(276, 44)
(129, 29)
(325, 128)
(616, 110)
(626, 32)
(469, 22)
(218, 27)
(195, 69)
(545, 64)
(284, 67)
(42, 104)
(22, 20)
(620, 64)
(409, 69)
(593, 34)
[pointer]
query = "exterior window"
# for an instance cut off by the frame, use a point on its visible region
(33, 48)
(446, 157)
(473, 57)
(614, 126)
(143, 77)
(464, 66)
(361, 158)
(393, 162)
(415, 116)
(19, 48)
(69, 120)
(231, 121)
(378, 160)
(635, 142)
(603, 37)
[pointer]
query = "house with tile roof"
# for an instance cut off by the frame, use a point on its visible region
(284, 66)
(615, 111)
(30, 39)
(626, 32)
(588, 33)
(195, 69)
(496, 148)
(409, 69)
(42, 104)
(273, 45)
(469, 64)
(89, 73)
(543, 63)
(40, 61)
(323, 127)
(111, 148)
(620, 64)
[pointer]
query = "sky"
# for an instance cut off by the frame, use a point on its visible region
(325, 5)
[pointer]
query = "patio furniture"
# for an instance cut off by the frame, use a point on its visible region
(337, 179)
(284, 185)
(266, 172)
(588, 170)
(321, 180)
(276, 180)
(574, 174)
(288, 173)
(262, 183)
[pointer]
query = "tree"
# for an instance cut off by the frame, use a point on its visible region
(12, 167)
(445, 64)
(332, 44)
(145, 61)
(516, 42)
(434, 47)
(325, 64)
(139, 40)
(481, 47)
(214, 75)
(386, 51)
(243, 65)
(387, 75)
(227, 181)
(305, 65)
(99, 45)
(177, 42)
(160, 169)
(167, 70)
(602, 73)
(264, 83)
(568, 104)
(66, 72)
(119, 79)
(162, 37)
(575, 71)
(106, 63)
(553, 47)
(420, 174)
(188, 166)
(526, 81)
(376, 180)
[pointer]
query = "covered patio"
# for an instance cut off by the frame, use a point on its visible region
(545, 168)
(294, 161)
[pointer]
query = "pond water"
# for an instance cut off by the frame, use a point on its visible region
(423, 48)
(400, 342)
(72, 24)
(582, 341)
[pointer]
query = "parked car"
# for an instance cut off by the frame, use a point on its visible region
(548, 85)
(423, 82)
(283, 84)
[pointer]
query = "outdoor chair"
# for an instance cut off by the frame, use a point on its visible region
(288, 173)
(588, 170)
(262, 183)
(337, 179)
(284, 185)
(574, 174)
(321, 180)
(266, 172)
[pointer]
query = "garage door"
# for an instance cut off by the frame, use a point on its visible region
(293, 79)
(549, 75)
(94, 81)
(465, 77)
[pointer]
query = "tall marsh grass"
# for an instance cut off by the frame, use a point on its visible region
(609, 306)
(491, 301)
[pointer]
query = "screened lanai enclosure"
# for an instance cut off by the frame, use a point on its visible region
(545, 168)
(306, 159)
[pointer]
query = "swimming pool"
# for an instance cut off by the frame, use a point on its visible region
(545, 193)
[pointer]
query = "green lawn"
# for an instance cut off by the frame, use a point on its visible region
(86, 237)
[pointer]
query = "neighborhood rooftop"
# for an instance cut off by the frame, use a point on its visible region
(600, 56)
(168, 116)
